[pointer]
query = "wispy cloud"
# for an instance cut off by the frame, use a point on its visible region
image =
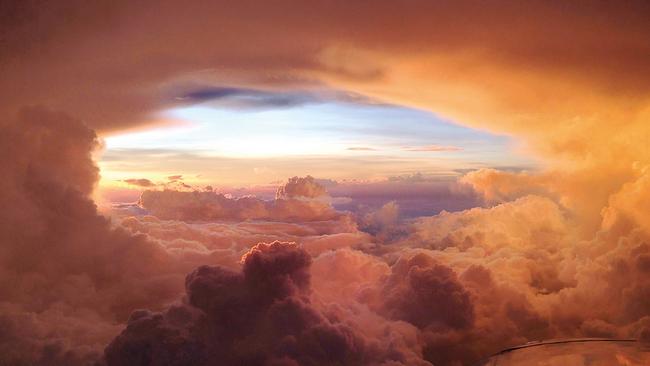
(249, 98)
(361, 148)
(432, 148)
(143, 182)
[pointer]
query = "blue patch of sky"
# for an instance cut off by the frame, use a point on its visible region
(323, 128)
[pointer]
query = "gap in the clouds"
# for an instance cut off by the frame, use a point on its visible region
(329, 128)
(379, 153)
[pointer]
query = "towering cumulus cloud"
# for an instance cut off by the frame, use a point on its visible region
(66, 277)
(261, 316)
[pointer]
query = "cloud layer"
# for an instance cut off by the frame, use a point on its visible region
(68, 276)
(569, 80)
(300, 199)
(375, 289)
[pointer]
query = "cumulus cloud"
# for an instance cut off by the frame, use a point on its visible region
(300, 199)
(464, 285)
(299, 187)
(376, 55)
(385, 223)
(458, 286)
(224, 242)
(533, 266)
(70, 277)
(67, 276)
(497, 186)
(262, 315)
(532, 277)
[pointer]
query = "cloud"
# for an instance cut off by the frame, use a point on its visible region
(533, 277)
(261, 315)
(384, 223)
(415, 194)
(471, 282)
(497, 186)
(427, 294)
(449, 289)
(569, 81)
(501, 275)
(240, 98)
(298, 187)
(247, 98)
(63, 267)
(432, 148)
(223, 242)
(376, 56)
(146, 183)
(70, 277)
(361, 148)
(300, 199)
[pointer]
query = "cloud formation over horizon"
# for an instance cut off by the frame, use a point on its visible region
(446, 290)
(493, 259)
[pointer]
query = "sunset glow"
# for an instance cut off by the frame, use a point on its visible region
(206, 183)
(254, 145)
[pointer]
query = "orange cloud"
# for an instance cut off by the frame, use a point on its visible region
(140, 182)
(570, 81)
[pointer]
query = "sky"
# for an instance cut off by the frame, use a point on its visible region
(247, 145)
(323, 182)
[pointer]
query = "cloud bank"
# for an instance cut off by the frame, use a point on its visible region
(445, 290)
(568, 80)
(300, 199)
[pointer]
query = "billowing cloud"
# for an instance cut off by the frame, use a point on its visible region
(300, 199)
(70, 277)
(448, 289)
(298, 187)
(490, 57)
(262, 315)
(497, 186)
(570, 81)
(539, 271)
(64, 268)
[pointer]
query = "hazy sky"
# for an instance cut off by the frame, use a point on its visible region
(242, 142)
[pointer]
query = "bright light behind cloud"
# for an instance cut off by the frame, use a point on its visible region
(337, 134)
